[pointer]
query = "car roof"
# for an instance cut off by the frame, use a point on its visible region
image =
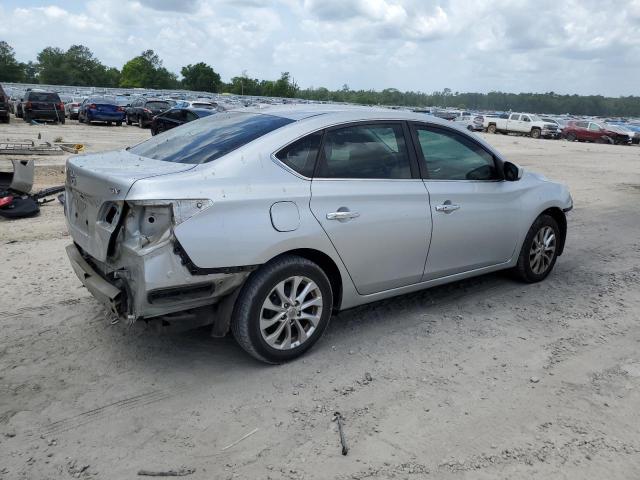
(340, 112)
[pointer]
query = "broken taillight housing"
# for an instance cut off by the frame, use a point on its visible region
(150, 222)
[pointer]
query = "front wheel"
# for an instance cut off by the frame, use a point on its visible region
(535, 133)
(118, 124)
(283, 309)
(539, 250)
(491, 129)
(129, 122)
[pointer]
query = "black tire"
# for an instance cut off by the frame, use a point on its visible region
(571, 137)
(118, 124)
(245, 319)
(141, 123)
(523, 269)
(129, 120)
(535, 133)
(492, 129)
(6, 119)
(62, 121)
(26, 117)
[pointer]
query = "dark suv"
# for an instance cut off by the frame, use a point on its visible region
(4, 106)
(142, 110)
(41, 105)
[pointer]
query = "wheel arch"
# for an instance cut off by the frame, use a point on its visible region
(561, 219)
(326, 263)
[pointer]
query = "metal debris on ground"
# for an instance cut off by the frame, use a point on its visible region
(240, 439)
(28, 147)
(337, 417)
(182, 472)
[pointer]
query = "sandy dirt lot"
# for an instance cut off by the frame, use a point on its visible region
(486, 378)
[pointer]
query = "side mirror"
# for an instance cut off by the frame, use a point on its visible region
(512, 172)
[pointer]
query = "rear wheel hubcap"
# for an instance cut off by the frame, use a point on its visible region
(291, 313)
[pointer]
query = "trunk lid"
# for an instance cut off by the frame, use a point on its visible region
(106, 108)
(96, 186)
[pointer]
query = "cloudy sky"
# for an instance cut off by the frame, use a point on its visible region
(566, 46)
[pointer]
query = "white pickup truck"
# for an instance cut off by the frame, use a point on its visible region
(522, 123)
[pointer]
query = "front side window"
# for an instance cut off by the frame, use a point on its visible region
(301, 155)
(210, 138)
(365, 151)
(451, 156)
(594, 127)
(515, 117)
(525, 118)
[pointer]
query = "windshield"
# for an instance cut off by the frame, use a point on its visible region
(210, 138)
(535, 118)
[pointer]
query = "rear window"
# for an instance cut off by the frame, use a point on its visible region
(103, 100)
(158, 105)
(210, 138)
(44, 97)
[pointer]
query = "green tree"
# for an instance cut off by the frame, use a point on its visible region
(53, 69)
(30, 72)
(10, 69)
(146, 71)
(200, 77)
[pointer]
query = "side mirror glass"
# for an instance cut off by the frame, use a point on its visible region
(512, 172)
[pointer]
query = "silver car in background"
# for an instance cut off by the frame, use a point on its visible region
(264, 221)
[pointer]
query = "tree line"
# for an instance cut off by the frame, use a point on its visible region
(78, 66)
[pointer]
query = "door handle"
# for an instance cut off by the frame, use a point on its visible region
(447, 208)
(343, 215)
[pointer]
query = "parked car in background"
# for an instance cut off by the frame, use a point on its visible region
(470, 122)
(5, 108)
(558, 124)
(73, 108)
(101, 109)
(265, 217)
(176, 117)
(142, 110)
(17, 107)
(622, 130)
(589, 131)
(42, 105)
(633, 130)
(523, 123)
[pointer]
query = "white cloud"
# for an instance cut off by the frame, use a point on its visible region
(574, 46)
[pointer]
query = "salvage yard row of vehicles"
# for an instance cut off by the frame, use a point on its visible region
(163, 112)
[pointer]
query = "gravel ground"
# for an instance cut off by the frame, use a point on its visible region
(485, 378)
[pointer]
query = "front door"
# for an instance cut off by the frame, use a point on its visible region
(475, 213)
(368, 197)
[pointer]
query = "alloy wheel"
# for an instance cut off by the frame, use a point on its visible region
(291, 313)
(543, 249)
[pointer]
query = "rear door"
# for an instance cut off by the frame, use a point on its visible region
(475, 213)
(367, 195)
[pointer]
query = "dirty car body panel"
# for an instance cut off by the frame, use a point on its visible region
(173, 235)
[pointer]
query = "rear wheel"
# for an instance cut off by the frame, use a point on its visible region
(26, 117)
(128, 120)
(539, 250)
(282, 309)
(141, 122)
(570, 137)
(491, 129)
(118, 124)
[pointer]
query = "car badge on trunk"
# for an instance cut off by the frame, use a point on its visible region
(71, 175)
(114, 190)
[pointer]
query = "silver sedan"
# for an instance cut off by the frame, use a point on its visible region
(266, 221)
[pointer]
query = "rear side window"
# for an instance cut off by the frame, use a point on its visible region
(301, 155)
(43, 97)
(365, 151)
(451, 156)
(210, 138)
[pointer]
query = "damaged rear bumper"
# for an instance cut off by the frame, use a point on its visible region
(103, 291)
(146, 286)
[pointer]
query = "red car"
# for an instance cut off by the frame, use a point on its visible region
(588, 131)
